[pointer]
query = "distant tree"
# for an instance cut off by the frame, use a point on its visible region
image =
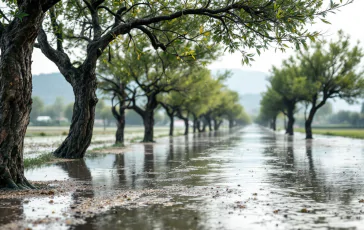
(106, 116)
(69, 112)
(333, 71)
(99, 108)
(58, 107)
(55, 110)
(37, 108)
(325, 110)
(291, 87)
(271, 106)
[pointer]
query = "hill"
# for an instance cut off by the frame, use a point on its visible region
(50, 86)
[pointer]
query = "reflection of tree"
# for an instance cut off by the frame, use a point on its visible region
(119, 164)
(10, 210)
(303, 176)
(171, 149)
(78, 170)
(149, 160)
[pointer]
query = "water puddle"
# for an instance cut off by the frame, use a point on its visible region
(249, 179)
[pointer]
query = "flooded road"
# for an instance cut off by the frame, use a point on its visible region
(245, 179)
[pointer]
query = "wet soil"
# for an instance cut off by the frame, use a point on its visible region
(245, 179)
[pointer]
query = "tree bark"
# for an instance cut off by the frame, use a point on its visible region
(315, 106)
(186, 126)
(79, 137)
(84, 84)
(194, 125)
(16, 43)
(217, 124)
(208, 121)
(148, 120)
(291, 120)
(171, 125)
(120, 123)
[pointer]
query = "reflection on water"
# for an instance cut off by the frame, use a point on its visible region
(250, 179)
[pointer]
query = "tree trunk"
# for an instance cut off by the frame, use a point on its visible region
(79, 137)
(148, 120)
(291, 120)
(16, 44)
(273, 123)
(208, 121)
(194, 125)
(120, 119)
(231, 123)
(217, 124)
(120, 122)
(171, 125)
(308, 123)
(186, 126)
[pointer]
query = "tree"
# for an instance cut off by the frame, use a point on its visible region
(270, 107)
(95, 24)
(37, 109)
(152, 74)
(334, 69)
(17, 37)
(291, 87)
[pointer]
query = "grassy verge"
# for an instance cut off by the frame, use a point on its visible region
(353, 133)
(39, 160)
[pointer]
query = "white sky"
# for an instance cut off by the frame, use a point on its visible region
(349, 19)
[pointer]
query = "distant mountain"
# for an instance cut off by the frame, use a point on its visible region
(50, 86)
(249, 85)
(251, 103)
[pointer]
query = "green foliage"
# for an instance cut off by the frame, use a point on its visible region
(238, 25)
(37, 108)
(334, 67)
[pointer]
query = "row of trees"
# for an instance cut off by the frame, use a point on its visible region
(76, 33)
(146, 80)
(317, 73)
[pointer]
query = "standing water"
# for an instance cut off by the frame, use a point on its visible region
(245, 179)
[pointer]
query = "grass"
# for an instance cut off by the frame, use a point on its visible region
(350, 132)
(36, 131)
(39, 160)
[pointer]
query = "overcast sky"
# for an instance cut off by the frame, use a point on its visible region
(350, 19)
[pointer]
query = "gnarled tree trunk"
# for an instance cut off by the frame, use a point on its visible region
(16, 44)
(171, 125)
(217, 124)
(186, 126)
(291, 120)
(148, 120)
(208, 121)
(120, 123)
(79, 137)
